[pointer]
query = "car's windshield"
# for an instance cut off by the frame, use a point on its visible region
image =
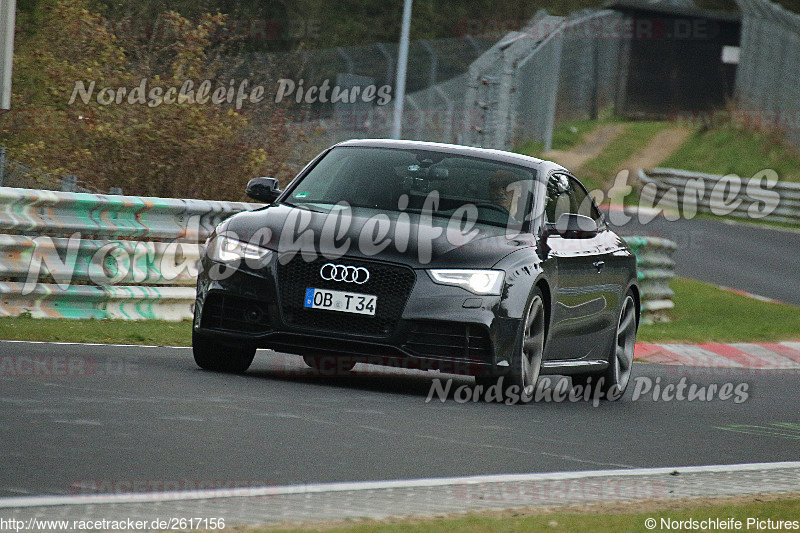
(394, 180)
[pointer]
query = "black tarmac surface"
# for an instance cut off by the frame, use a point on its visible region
(80, 418)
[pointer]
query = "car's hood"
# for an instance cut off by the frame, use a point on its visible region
(416, 240)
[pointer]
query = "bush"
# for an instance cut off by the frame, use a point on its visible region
(182, 149)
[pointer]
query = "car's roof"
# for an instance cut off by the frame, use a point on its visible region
(488, 153)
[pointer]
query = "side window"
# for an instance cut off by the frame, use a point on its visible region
(565, 194)
(582, 203)
(558, 197)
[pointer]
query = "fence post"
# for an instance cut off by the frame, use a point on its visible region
(448, 127)
(2, 163)
(434, 72)
(552, 98)
(348, 59)
(69, 182)
(389, 62)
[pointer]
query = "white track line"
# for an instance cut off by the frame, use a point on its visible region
(41, 501)
(99, 344)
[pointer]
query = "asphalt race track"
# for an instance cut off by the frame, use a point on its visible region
(76, 417)
(755, 259)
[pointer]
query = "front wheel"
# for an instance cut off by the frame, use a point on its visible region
(520, 383)
(614, 380)
(218, 357)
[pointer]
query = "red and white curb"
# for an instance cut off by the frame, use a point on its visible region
(776, 355)
(751, 295)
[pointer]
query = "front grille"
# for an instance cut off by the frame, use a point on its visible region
(233, 313)
(435, 338)
(390, 283)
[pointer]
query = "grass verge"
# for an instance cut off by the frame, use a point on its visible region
(611, 518)
(705, 313)
(738, 152)
(152, 332)
(599, 173)
(568, 134)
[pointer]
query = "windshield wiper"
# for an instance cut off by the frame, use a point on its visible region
(302, 206)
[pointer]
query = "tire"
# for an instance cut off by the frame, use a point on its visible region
(328, 365)
(615, 378)
(519, 384)
(218, 357)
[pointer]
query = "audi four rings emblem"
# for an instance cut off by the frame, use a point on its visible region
(347, 274)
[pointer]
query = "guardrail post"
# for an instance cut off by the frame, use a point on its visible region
(69, 182)
(655, 269)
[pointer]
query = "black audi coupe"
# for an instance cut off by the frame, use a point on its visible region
(423, 255)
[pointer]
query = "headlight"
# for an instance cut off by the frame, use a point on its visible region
(225, 249)
(477, 281)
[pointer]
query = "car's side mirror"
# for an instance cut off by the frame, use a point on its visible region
(574, 226)
(263, 189)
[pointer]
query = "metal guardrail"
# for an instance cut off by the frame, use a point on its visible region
(35, 212)
(48, 270)
(656, 268)
(81, 255)
(710, 193)
(101, 261)
(86, 301)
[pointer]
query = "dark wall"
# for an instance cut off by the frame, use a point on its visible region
(677, 66)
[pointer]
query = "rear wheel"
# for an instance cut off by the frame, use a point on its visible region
(218, 357)
(613, 381)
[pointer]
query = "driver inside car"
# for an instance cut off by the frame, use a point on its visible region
(505, 190)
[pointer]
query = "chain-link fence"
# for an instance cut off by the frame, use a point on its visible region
(16, 174)
(434, 101)
(509, 67)
(555, 69)
(768, 77)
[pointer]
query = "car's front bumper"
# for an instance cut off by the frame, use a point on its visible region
(431, 327)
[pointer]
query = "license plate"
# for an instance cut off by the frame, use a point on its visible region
(346, 302)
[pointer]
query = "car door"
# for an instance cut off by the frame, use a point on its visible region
(584, 295)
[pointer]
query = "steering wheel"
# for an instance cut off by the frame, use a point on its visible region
(495, 207)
